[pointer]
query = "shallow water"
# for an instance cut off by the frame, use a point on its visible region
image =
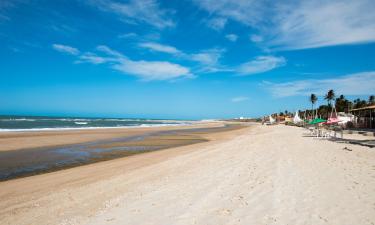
(26, 162)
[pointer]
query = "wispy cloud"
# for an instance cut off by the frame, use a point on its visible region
(62, 28)
(90, 57)
(217, 23)
(261, 64)
(351, 84)
(325, 23)
(288, 25)
(65, 49)
(160, 47)
(138, 11)
(128, 35)
(247, 12)
(5, 5)
(256, 38)
(153, 70)
(239, 99)
(110, 51)
(231, 37)
(208, 59)
(145, 70)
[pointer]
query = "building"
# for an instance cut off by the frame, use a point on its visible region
(364, 117)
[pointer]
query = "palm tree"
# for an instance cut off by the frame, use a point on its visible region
(313, 100)
(341, 103)
(330, 96)
(371, 100)
(358, 103)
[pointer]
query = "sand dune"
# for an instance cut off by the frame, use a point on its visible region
(256, 175)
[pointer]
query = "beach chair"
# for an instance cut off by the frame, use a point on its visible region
(312, 130)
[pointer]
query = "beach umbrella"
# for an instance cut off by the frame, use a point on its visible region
(332, 120)
(296, 118)
(272, 120)
(317, 121)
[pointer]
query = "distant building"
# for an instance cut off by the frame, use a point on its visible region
(364, 117)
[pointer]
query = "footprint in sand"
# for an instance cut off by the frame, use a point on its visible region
(225, 212)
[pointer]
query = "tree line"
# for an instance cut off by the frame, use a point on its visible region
(341, 103)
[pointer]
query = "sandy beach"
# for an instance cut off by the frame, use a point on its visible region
(21, 140)
(256, 175)
(30, 153)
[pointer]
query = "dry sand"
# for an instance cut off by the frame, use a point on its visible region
(257, 175)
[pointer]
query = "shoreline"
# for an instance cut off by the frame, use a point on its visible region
(87, 128)
(45, 138)
(25, 162)
(44, 123)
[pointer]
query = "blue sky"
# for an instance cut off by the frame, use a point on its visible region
(182, 59)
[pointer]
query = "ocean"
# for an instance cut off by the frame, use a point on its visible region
(37, 123)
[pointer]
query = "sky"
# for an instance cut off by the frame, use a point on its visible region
(186, 59)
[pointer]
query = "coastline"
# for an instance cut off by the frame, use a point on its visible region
(28, 161)
(15, 140)
(255, 175)
(86, 128)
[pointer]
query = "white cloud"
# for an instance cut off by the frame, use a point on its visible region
(109, 51)
(231, 37)
(245, 11)
(301, 24)
(127, 35)
(317, 24)
(154, 70)
(89, 57)
(65, 49)
(145, 70)
(352, 84)
(160, 48)
(261, 64)
(208, 59)
(138, 11)
(217, 23)
(239, 99)
(256, 38)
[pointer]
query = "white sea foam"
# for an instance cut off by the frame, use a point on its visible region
(18, 119)
(91, 128)
(81, 123)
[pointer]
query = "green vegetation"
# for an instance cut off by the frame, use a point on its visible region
(313, 100)
(341, 103)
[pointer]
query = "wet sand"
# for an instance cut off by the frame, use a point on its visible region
(256, 175)
(26, 140)
(30, 161)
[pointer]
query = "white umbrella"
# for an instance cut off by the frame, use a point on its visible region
(272, 120)
(296, 118)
